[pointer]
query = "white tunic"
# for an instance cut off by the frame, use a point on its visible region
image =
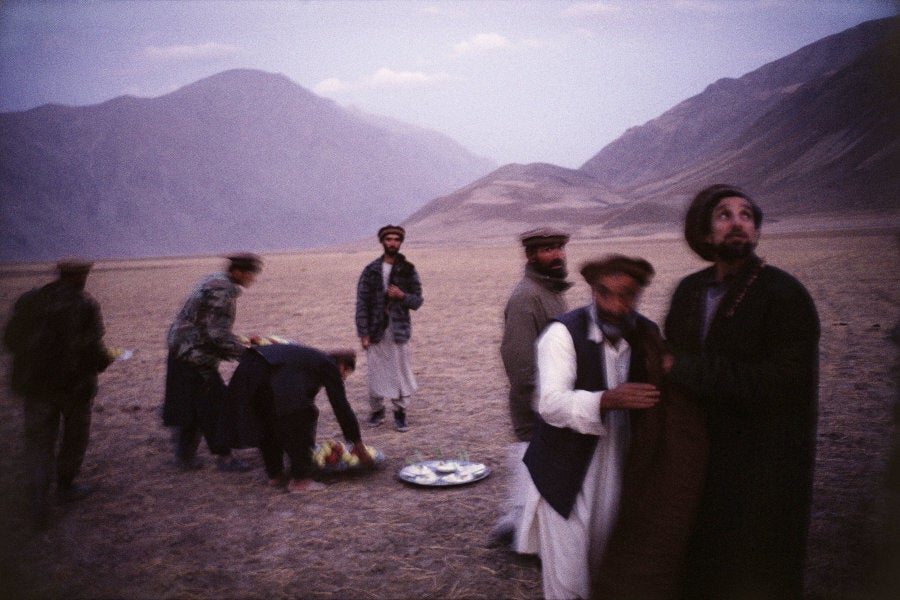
(568, 547)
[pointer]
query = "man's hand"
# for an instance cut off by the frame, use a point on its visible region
(630, 395)
(364, 342)
(365, 459)
(395, 293)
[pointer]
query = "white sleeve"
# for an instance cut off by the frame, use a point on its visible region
(559, 403)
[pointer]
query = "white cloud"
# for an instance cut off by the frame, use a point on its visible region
(210, 50)
(482, 42)
(383, 78)
(591, 9)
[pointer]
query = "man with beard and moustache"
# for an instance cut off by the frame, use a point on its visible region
(537, 299)
(745, 340)
(388, 288)
(592, 370)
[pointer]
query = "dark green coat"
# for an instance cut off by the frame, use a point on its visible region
(55, 335)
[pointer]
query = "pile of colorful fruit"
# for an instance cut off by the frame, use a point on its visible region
(264, 340)
(332, 455)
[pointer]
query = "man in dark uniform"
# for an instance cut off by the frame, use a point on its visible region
(55, 335)
(745, 340)
(271, 400)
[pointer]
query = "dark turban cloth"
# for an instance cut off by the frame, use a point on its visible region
(638, 268)
(73, 266)
(391, 229)
(697, 221)
(245, 262)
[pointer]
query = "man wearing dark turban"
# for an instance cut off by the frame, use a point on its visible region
(387, 290)
(591, 372)
(745, 341)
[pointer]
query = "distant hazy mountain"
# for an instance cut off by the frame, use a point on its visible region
(240, 160)
(515, 198)
(814, 135)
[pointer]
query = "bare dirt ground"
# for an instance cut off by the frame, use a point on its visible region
(150, 531)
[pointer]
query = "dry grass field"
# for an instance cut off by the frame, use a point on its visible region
(150, 531)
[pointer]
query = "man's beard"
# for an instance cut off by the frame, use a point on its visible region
(624, 323)
(555, 268)
(391, 251)
(735, 250)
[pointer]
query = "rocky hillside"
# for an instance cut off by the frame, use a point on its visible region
(815, 136)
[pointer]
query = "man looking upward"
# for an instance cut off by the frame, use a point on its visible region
(745, 340)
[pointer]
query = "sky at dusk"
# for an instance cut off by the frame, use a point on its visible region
(513, 81)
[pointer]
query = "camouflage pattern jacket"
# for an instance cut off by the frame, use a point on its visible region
(201, 333)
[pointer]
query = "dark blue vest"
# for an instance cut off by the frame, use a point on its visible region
(558, 457)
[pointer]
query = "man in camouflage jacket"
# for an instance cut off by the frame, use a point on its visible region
(200, 338)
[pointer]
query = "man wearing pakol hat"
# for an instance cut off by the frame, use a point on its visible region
(199, 338)
(387, 290)
(745, 337)
(537, 299)
(55, 335)
(591, 373)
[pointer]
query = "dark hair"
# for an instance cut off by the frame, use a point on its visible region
(245, 261)
(697, 221)
(344, 357)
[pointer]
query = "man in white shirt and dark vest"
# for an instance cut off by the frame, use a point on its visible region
(591, 369)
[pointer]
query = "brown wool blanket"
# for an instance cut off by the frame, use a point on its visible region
(662, 483)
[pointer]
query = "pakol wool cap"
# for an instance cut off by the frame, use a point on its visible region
(73, 266)
(543, 236)
(391, 229)
(637, 268)
(245, 261)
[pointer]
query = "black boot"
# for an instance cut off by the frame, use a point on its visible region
(400, 423)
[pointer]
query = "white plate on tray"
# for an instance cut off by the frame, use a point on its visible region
(443, 473)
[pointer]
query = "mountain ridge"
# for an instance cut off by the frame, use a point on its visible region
(250, 160)
(239, 159)
(814, 136)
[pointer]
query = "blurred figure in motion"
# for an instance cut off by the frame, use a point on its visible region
(199, 338)
(590, 375)
(272, 399)
(55, 335)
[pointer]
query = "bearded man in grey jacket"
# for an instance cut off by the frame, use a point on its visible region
(537, 299)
